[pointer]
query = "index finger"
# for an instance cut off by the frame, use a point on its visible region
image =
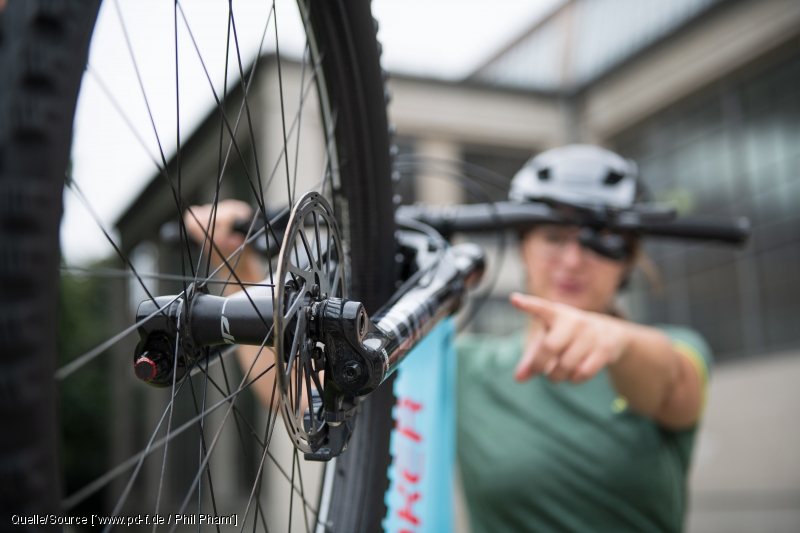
(536, 306)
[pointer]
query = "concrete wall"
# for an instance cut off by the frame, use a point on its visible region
(459, 113)
(746, 472)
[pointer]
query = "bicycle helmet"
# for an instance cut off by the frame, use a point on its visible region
(580, 175)
(596, 182)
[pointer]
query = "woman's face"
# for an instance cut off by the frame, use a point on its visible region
(559, 269)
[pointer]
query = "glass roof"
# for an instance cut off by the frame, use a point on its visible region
(583, 39)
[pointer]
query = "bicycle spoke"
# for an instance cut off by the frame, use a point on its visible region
(203, 464)
(119, 273)
(154, 445)
(208, 455)
(161, 169)
(295, 344)
(283, 113)
(294, 307)
(337, 280)
(245, 90)
(282, 154)
(299, 112)
(326, 166)
(317, 243)
(73, 186)
(219, 432)
(303, 369)
(166, 444)
(312, 263)
(184, 236)
(291, 492)
(251, 429)
(302, 492)
(257, 484)
(258, 195)
(152, 120)
(138, 460)
(82, 360)
(247, 105)
(236, 410)
(237, 417)
(202, 450)
(329, 261)
(88, 356)
(307, 373)
(212, 223)
(298, 380)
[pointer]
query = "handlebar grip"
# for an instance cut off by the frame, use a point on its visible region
(279, 219)
(734, 231)
(243, 225)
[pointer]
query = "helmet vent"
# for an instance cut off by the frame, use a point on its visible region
(613, 178)
(544, 174)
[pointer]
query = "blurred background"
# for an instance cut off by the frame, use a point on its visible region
(703, 94)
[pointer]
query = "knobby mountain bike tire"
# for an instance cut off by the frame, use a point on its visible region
(43, 53)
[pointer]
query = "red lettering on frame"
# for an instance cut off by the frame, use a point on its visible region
(410, 404)
(406, 513)
(405, 418)
(411, 478)
(410, 433)
(409, 459)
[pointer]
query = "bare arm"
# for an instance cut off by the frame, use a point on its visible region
(656, 379)
(568, 343)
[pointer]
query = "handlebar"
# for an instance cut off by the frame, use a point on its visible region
(733, 230)
(476, 218)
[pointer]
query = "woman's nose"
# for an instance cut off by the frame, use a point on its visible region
(572, 253)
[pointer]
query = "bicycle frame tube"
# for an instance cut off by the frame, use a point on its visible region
(362, 353)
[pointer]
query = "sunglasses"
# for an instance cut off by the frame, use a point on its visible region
(605, 243)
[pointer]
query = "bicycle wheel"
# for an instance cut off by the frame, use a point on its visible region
(43, 54)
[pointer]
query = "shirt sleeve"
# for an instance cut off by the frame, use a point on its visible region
(692, 345)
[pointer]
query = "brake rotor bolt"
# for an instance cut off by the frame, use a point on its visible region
(315, 290)
(352, 371)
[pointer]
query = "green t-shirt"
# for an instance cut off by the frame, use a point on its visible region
(544, 457)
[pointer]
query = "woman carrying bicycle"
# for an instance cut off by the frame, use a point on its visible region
(584, 421)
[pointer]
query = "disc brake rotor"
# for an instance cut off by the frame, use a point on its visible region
(310, 270)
